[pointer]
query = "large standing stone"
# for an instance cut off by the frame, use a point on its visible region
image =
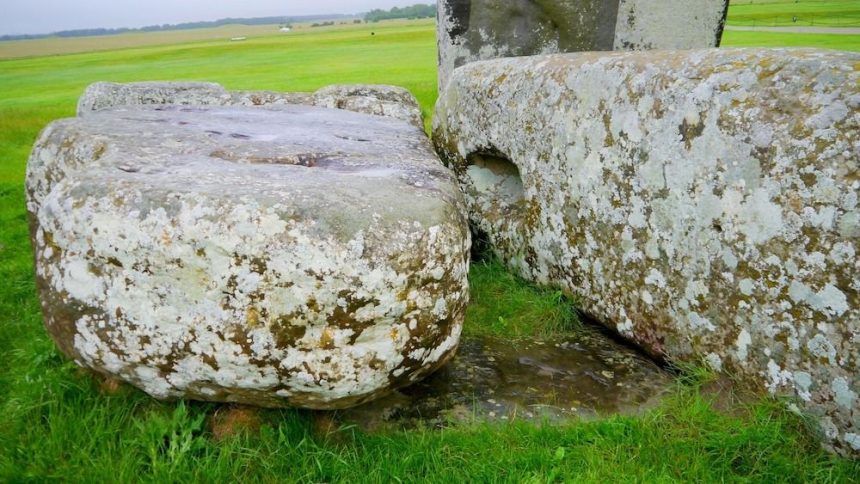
(380, 100)
(470, 30)
(703, 203)
(293, 256)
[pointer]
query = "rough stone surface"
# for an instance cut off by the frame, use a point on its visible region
(391, 101)
(470, 30)
(380, 100)
(295, 256)
(701, 203)
(580, 376)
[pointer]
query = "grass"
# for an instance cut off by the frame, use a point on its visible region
(60, 423)
(800, 13)
(782, 13)
(72, 433)
(504, 305)
(73, 45)
(51, 46)
(735, 38)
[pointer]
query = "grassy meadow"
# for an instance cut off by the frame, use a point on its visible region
(74, 45)
(800, 13)
(60, 423)
(737, 38)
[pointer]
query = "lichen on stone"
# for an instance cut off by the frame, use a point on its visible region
(298, 256)
(701, 203)
(380, 100)
(473, 30)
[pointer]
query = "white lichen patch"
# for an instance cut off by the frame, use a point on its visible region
(702, 203)
(301, 256)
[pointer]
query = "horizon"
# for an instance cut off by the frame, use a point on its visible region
(29, 18)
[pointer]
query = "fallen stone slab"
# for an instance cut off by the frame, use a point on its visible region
(471, 30)
(302, 256)
(701, 203)
(584, 375)
(380, 100)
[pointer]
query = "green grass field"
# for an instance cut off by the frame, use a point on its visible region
(801, 13)
(733, 38)
(74, 45)
(61, 423)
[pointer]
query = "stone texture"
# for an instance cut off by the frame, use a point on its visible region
(102, 95)
(470, 30)
(288, 256)
(583, 375)
(391, 101)
(701, 203)
(380, 100)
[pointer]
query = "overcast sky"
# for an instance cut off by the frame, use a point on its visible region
(44, 16)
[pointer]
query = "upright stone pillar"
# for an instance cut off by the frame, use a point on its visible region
(471, 30)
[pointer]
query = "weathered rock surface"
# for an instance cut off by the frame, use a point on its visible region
(380, 100)
(701, 203)
(471, 30)
(295, 256)
(583, 375)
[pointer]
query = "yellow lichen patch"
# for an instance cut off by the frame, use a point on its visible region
(252, 317)
(607, 123)
(327, 339)
(99, 151)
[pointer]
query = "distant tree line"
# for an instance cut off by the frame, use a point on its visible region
(182, 26)
(413, 12)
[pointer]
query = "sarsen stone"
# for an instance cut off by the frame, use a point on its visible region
(471, 30)
(702, 203)
(295, 255)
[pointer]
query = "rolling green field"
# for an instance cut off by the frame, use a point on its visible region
(733, 38)
(74, 45)
(801, 13)
(62, 423)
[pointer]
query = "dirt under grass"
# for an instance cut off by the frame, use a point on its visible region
(62, 423)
